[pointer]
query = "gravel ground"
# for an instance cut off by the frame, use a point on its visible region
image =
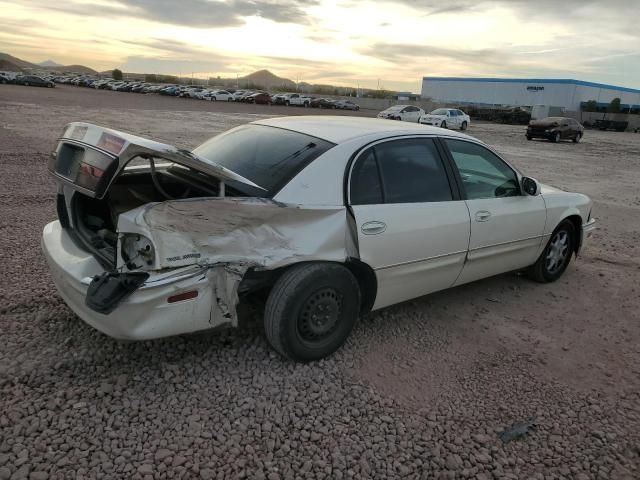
(421, 390)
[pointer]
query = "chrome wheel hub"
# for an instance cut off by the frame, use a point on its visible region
(558, 251)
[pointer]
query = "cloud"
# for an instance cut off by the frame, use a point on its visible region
(140, 64)
(189, 13)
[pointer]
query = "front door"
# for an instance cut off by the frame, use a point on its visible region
(507, 225)
(413, 230)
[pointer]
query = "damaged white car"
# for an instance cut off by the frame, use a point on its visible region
(321, 218)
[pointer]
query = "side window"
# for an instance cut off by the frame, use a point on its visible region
(453, 113)
(365, 181)
(484, 175)
(412, 171)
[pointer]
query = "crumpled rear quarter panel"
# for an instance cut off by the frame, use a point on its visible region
(243, 231)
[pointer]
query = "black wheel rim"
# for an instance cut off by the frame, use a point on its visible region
(320, 315)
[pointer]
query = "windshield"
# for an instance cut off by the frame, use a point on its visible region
(395, 108)
(439, 111)
(268, 156)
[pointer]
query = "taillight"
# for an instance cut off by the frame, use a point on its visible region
(182, 296)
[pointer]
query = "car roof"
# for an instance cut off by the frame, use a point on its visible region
(339, 129)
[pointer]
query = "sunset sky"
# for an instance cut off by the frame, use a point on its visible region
(349, 43)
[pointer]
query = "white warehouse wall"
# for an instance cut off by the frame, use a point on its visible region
(507, 91)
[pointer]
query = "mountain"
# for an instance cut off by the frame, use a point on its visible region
(50, 63)
(14, 64)
(266, 79)
(7, 59)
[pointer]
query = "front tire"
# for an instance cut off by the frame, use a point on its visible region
(529, 137)
(443, 124)
(556, 137)
(577, 138)
(556, 256)
(311, 310)
(463, 126)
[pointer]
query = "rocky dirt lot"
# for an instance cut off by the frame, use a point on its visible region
(422, 390)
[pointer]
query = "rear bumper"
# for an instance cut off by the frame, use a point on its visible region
(145, 314)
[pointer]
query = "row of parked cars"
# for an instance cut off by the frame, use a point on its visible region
(28, 80)
(440, 117)
(210, 94)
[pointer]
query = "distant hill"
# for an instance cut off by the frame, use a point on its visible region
(266, 79)
(14, 64)
(7, 59)
(50, 63)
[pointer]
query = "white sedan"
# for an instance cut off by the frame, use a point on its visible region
(405, 113)
(220, 96)
(326, 218)
(447, 118)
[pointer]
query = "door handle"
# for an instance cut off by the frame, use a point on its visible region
(373, 227)
(483, 216)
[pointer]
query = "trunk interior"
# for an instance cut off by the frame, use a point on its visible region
(95, 220)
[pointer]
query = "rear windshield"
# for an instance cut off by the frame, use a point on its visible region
(268, 156)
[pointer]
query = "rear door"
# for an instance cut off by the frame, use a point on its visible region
(507, 225)
(413, 227)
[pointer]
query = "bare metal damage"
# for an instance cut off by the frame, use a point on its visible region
(227, 236)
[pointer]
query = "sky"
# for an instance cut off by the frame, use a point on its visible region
(371, 44)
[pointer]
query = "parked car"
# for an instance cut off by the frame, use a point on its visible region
(261, 98)
(220, 95)
(446, 118)
(33, 81)
(297, 100)
(555, 129)
(347, 105)
(5, 79)
(323, 103)
(406, 113)
(279, 99)
(617, 125)
(324, 217)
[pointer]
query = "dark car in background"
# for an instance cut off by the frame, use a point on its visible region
(260, 98)
(555, 129)
(34, 81)
(323, 103)
(5, 79)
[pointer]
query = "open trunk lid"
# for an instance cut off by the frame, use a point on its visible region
(89, 157)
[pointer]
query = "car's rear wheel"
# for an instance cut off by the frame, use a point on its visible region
(443, 124)
(555, 138)
(311, 310)
(529, 137)
(577, 138)
(26, 84)
(463, 126)
(555, 258)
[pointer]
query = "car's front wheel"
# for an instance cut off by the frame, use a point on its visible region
(311, 310)
(463, 126)
(443, 124)
(577, 138)
(555, 138)
(555, 258)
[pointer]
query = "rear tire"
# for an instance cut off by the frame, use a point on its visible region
(311, 310)
(556, 256)
(26, 84)
(529, 137)
(556, 137)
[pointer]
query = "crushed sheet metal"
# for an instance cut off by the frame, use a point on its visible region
(244, 231)
(225, 280)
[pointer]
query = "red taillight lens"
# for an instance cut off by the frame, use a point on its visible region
(182, 296)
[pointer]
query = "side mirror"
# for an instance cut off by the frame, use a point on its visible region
(530, 186)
